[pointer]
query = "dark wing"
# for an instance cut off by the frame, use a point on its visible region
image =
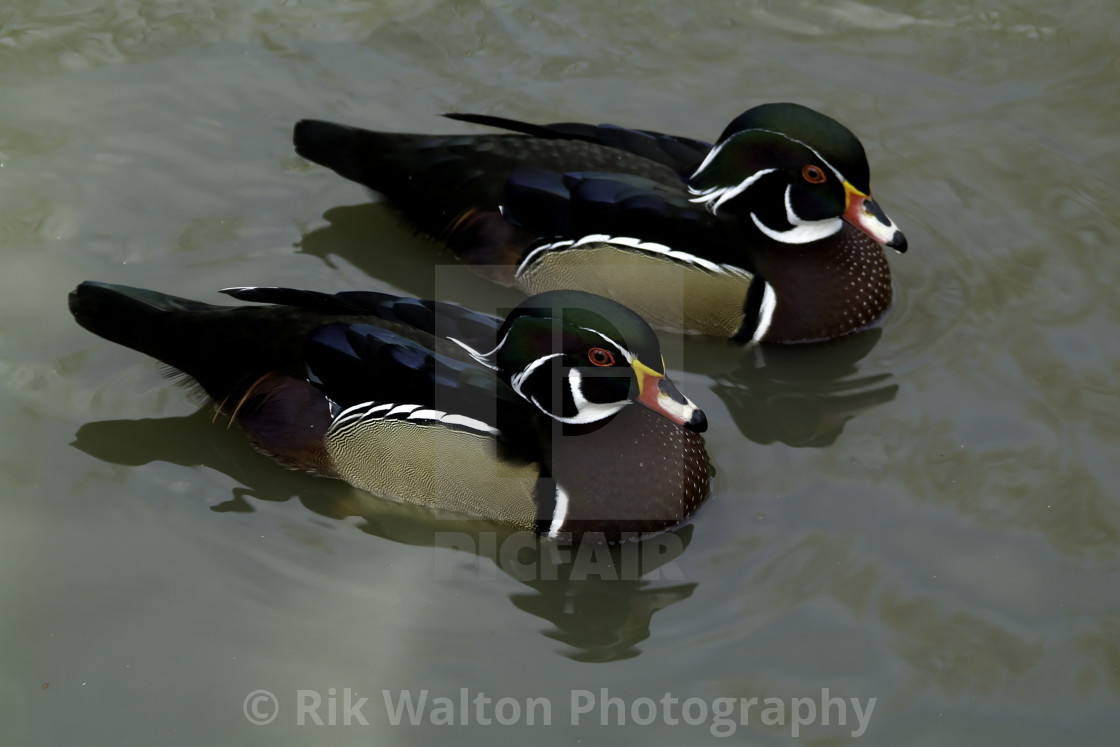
(681, 154)
(438, 180)
(357, 363)
(579, 204)
(435, 318)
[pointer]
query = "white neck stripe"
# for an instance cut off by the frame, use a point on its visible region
(765, 312)
(559, 512)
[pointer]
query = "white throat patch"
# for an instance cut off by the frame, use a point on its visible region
(802, 231)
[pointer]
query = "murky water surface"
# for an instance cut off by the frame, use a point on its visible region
(925, 514)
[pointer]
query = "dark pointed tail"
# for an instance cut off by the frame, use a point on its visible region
(133, 317)
(199, 339)
(345, 150)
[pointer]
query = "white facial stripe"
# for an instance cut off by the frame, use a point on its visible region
(765, 312)
(559, 513)
(721, 195)
(519, 378)
(716, 196)
(586, 411)
(648, 247)
(795, 220)
(814, 151)
(791, 215)
(803, 231)
(714, 151)
(625, 353)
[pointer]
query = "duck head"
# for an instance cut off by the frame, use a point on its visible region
(580, 359)
(795, 174)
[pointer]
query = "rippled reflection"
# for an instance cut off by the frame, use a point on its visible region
(600, 600)
(375, 241)
(799, 395)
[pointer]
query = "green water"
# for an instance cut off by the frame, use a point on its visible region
(926, 514)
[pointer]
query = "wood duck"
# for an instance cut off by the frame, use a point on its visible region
(559, 419)
(769, 235)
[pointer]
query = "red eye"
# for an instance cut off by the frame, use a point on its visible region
(813, 174)
(600, 357)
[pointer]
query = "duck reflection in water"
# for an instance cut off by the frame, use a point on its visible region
(799, 395)
(600, 600)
